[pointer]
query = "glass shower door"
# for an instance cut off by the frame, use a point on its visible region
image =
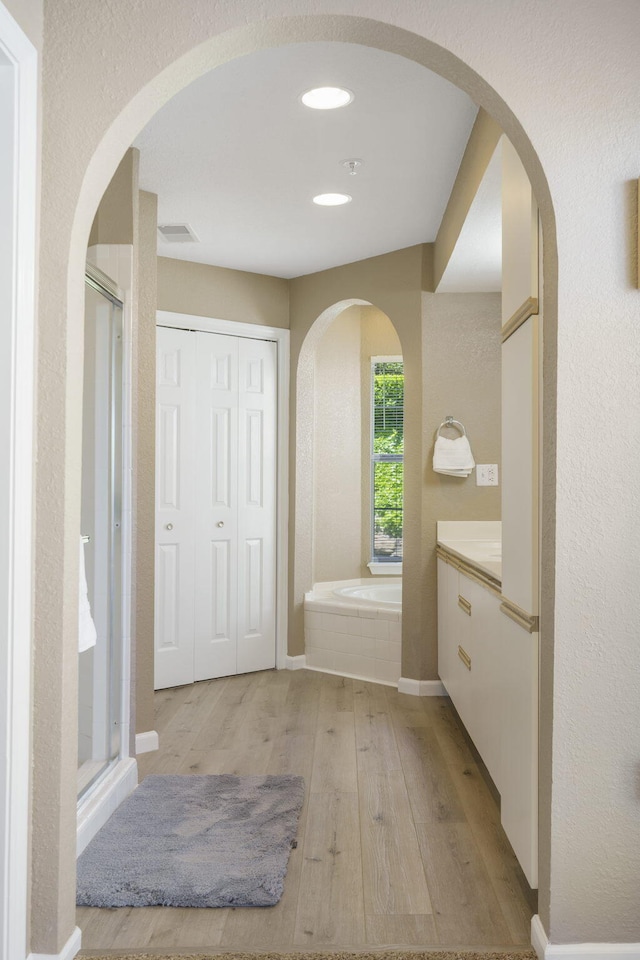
(100, 666)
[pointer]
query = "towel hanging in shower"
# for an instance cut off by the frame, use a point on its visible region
(87, 634)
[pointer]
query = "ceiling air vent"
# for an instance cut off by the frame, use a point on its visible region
(177, 233)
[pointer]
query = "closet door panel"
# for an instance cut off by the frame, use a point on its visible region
(216, 506)
(175, 442)
(256, 504)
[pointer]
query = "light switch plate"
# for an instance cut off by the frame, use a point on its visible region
(486, 474)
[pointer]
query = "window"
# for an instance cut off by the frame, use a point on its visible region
(387, 457)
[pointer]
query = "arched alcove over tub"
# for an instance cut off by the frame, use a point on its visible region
(331, 451)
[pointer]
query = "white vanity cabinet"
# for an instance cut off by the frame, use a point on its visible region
(489, 667)
(469, 624)
(519, 743)
(453, 657)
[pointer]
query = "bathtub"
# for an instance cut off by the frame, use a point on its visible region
(379, 593)
(353, 628)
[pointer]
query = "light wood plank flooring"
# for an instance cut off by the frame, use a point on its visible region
(399, 841)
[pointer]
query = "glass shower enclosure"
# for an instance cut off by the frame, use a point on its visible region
(100, 666)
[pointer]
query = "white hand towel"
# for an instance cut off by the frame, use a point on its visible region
(454, 473)
(87, 634)
(453, 457)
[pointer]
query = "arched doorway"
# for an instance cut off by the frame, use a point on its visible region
(137, 99)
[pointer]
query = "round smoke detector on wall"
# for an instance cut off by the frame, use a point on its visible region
(352, 165)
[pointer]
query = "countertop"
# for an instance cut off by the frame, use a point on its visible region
(477, 542)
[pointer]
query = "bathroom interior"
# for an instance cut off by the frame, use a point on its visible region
(392, 570)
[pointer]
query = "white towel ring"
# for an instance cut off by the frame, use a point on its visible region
(450, 422)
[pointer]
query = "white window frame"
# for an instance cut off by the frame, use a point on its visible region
(384, 568)
(18, 184)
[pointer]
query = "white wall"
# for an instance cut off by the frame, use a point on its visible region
(562, 80)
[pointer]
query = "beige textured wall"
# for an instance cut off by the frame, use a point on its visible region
(337, 441)
(378, 339)
(116, 219)
(114, 222)
(144, 473)
(204, 291)
(28, 14)
(478, 152)
(392, 284)
(461, 336)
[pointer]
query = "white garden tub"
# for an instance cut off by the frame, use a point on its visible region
(353, 628)
(381, 593)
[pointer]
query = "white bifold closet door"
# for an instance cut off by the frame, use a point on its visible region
(215, 506)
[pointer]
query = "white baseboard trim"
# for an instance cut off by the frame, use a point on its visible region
(295, 663)
(421, 688)
(578, 951)
(147, 741)
(353, 676)
(94, 812)
(68, 952)
(539, 939)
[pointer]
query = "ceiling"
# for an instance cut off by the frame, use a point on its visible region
(238, 157)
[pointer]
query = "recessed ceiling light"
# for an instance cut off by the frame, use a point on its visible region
(326, 98)
(331, 199)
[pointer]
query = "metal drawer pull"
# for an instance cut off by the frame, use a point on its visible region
(464, 605)
(464, 656)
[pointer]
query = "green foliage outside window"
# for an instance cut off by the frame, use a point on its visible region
(388, 450)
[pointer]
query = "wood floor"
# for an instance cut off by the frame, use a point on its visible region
(399, 841)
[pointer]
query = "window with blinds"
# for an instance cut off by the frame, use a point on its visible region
(387, 457)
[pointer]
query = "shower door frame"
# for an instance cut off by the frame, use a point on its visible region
(111, 266)
(117, 570)
(17, 277)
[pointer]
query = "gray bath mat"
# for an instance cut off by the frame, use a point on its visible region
(194, 841)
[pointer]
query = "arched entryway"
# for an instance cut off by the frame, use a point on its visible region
(131, 103)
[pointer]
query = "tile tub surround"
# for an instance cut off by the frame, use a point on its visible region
(352, 639)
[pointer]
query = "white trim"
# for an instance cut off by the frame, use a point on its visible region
(351, 676)
(147, 741)
(18, 278)
(378, 569)
(68, 952)
(95, 809)
(233, 328)
(296, 663)
(374, 565)
(578, 951)
(280, 335)
(539, 939)
(421, 688)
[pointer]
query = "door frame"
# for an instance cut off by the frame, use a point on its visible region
(17, 278)
(280, 336)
